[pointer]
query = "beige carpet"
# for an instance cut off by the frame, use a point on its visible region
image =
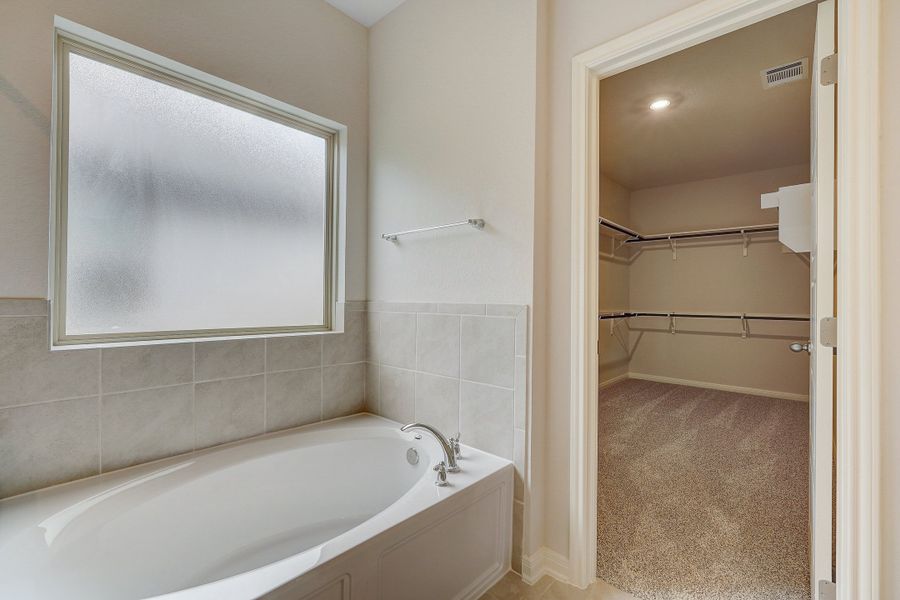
(702, 494)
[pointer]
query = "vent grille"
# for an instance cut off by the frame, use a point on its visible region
(786, 73)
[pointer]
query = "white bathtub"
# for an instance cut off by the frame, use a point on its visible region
(330, 511)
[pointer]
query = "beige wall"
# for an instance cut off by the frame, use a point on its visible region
(890, 301)
(452, 119)
(714, 276)
(614, 289)
(305, 53)
(574, 26)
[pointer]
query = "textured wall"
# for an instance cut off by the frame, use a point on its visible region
(324, 70)
(452, 113)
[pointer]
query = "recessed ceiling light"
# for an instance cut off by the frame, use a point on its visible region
(660, 104)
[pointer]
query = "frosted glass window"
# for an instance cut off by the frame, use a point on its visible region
(186, 212)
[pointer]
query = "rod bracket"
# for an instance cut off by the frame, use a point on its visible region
(672, 246)
(671, 323)
(746, 238)
(745, 330)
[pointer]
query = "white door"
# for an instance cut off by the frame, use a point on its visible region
(822, 302)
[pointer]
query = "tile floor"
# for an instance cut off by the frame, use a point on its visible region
(511, 587)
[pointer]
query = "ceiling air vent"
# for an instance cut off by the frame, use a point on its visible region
(786, 73)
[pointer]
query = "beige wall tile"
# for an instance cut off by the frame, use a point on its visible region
(373, 388)
(228, 410)
(397, 394)
(293, 398)
(29, 372)
(486, 418)
(17, 307)
(343, 390)
(503, 310)
(437, 402)
(347, 347)
(291, 353)
(519, 461)
(146, 425)
(437, 344)
(461, 309)
(487, 350)
(373, 330)
(521, 393)
(229, 358)
(397, 340)
(522, 332)
(139, 367)
(49, 443)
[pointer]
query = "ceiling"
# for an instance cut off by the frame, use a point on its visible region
(365, 12)
(721, 120)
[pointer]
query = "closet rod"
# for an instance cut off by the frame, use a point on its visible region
(637, 238)
(620, 228)
(681, 235)
(626, 315)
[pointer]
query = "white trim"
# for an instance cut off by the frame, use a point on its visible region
(545, 562)
(608, 382)
(858, 307)
(722, 387)
(858, 240)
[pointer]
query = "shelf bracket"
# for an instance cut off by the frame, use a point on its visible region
(671, 324)
(746, 237)
(744, 329)
(674, 251)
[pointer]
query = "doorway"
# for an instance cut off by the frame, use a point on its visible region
(682, 30)
(706, 251)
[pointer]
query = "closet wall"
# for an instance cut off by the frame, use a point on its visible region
(707, 276)
(614, 289)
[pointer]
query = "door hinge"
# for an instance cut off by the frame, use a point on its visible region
(828, 73)
(828, 332)
(827, 590)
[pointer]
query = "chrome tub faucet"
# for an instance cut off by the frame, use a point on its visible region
(449, 447)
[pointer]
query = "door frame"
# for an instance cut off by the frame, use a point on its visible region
(858, 287)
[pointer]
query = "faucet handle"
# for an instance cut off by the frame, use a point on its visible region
(454, 443)
(441, 469)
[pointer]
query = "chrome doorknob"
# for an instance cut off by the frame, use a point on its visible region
(798, 347)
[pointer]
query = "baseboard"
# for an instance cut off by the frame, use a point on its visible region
(613, 380)
(545, 562)
(719, 386)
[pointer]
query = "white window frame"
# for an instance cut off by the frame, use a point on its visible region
(71, 37)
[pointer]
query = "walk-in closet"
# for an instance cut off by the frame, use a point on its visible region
(710, 158)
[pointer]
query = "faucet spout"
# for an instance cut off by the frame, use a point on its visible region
(449, 454)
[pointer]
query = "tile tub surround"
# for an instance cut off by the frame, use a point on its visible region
(460, 367)
(76, 413)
